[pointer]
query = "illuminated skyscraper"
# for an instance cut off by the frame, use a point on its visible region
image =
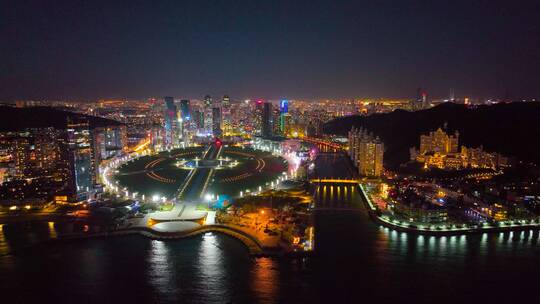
(226, 101)
(366, 152)
(82, 171)
(256, 108)
(185, 110)
(216, 122)
(171, 122)
(283, 111)
(207, 110)
(370, 157)
(207, 101)
(267, 120)
(226, 114)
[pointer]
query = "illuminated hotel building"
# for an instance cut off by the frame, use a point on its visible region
(366, 152)
(439, 142)
(440, 150)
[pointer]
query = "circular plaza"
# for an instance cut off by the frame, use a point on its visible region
(197, 173)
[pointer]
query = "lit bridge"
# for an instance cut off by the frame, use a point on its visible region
(324, 145)
(333, 181)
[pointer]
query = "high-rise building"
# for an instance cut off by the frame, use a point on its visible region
(109, 141)
(283, 111)
(216, 122)
(267, 120)
(63, 159)
(185, 110)
(171, 122)
(207, 110)
(366, 152)
(370, 158)
(198, 119)
(226, 101)
(226, 114)
(257, 118)
(207, 101)
(276, 119)
(82, 170)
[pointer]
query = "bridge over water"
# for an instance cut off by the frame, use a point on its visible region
(334, 183)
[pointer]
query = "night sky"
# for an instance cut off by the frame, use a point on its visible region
(268, 49)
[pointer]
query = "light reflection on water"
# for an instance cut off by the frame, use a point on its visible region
(455, 245)
(265, 279)
(4, 245)
(216, 269)
(160, 273)
(211, 269)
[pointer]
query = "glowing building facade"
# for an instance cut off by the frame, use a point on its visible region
(171, 122)
(441, 150)
(366, 152)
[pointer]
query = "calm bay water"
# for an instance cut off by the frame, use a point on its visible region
(357, 261)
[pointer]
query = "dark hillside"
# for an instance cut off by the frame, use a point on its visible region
(512, 129)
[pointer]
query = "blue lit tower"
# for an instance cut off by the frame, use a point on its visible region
(283, 110)
(185, 110)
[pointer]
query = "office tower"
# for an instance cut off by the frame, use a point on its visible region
(207, 101)
(216, 122)
(185, 110)
(207, 110)
(171, 122)
(109, 141)
(81, 158)
(157, 136)
(257, 117)
(226, 114)
(283, 110)
(267, 120)
(287, 124)
(226, 101)
(198, 119)
(276, 119)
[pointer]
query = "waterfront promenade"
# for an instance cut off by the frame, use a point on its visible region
(387, 221)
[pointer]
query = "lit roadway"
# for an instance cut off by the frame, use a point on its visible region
(198, 179)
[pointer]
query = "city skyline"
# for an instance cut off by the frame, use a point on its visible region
(269, 151)
(323, 50)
